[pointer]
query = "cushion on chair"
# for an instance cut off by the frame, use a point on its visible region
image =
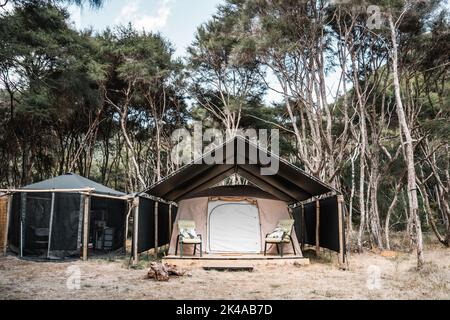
(189, 235)
(277, 235)
(191, 241)
(286, 225)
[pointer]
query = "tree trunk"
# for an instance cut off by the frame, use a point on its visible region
(409, 149)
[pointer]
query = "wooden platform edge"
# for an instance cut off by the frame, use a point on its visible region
(200, 263)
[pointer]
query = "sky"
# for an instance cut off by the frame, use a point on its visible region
(177, 20)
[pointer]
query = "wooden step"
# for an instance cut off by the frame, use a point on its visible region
(229, 268)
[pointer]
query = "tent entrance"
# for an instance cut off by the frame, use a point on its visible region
(233, 227)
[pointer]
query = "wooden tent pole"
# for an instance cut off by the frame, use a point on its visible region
(135, 232)
(340, 200)
(130, 206)
(87, 190)
(317, 227)
(97, 195)
(156, 228)
(170, 222)
(50, 227)
(87, 201)
(8, 215)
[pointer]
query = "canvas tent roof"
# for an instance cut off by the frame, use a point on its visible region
(233, 191)
(71, 181)
(289, 183)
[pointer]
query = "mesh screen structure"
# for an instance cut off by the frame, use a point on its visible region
(328, 225)
(65, 229)
(146, 222)
(163, 224)
(36, 223)
(35, 232)
(14, 224)
(146, 225)
(109, 214)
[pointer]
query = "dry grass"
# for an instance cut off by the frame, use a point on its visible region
(112, 279)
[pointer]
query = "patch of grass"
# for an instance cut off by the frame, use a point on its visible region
(324, 257)
(430, 276)
(398, 260)
(144, 261)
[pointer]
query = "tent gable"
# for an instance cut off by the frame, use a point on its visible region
(289, 183)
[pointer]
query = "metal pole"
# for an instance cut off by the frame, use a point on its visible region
(52, 209)
(23, 212)
(135, 232)
(87, 201)
(340, 200)
(156, 229)
(170, 222)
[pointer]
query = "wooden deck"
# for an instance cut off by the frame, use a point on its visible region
(234, 260)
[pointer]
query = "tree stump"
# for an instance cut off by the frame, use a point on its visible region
(162, 272)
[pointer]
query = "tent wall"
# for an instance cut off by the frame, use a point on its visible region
(146, 225)
(328, 226)
(270, 212)
(190, 209)
(163, 224)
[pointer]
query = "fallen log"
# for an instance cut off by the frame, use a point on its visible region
(162, 272)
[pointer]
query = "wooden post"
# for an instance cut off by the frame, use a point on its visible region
(340, 200)
(317, 227)
(170, 222)
(8, 215)
(50, 226)
(156, 228)
(130, 205)
(87, 201)
(135, 232)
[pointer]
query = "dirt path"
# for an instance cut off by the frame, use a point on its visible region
(389, 278)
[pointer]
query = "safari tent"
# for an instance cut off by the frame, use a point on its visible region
(66, 216)
(235, 219)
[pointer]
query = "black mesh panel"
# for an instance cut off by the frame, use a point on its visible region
(146, 225)
(65, 226)
(36, 224)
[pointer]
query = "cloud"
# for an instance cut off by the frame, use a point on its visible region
(132, 12)
(75, 16)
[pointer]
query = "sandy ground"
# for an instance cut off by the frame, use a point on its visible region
(370, 276)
